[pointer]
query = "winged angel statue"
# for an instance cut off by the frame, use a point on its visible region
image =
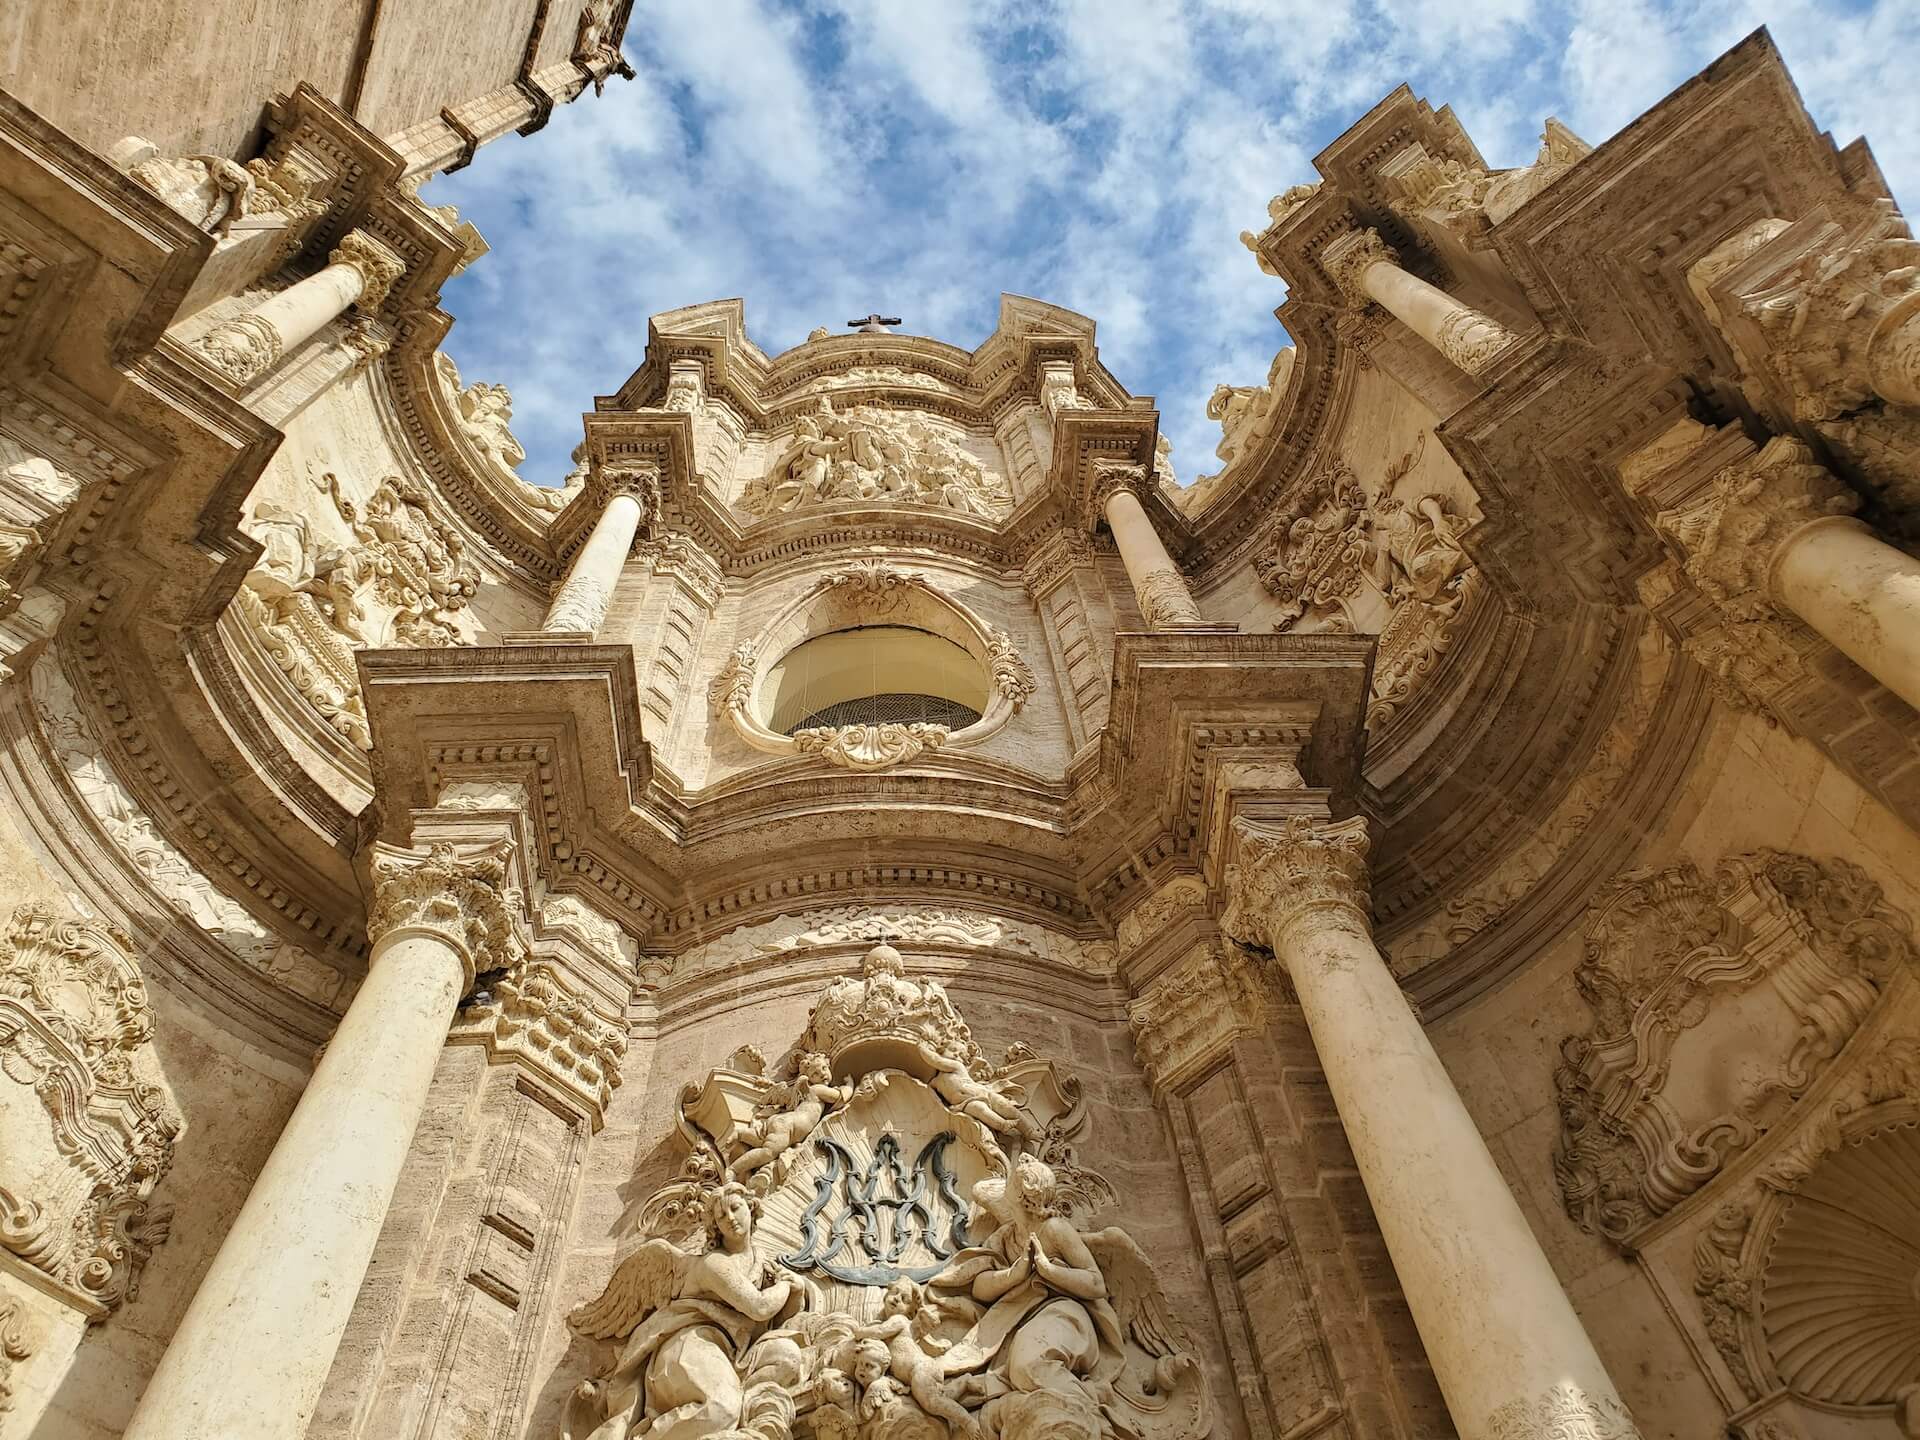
(884, 1307)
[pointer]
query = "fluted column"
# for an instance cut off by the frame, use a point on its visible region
(1508, 1351)
(580, 604)
(1775, 533)
(252, 1352)
(1366, 268)
(1158, 586)
(360, 271)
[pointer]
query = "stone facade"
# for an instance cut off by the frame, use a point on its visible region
(1411, 936)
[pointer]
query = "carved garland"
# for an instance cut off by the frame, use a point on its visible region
(857, 594)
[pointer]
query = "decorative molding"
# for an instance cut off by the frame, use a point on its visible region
(1194, 1011)
(75, 1027)
(16, 1345)
(934, 927)
(1677, 964)
(535, 1017)
(464, 901)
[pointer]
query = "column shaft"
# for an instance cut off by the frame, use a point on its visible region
(1859, 592)
(1465, 336)
(361, 270)
(1497, 1326)
(581, 602)
(252, 1352)
(1165, 601)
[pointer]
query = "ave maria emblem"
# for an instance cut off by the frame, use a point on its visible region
(884, 1240)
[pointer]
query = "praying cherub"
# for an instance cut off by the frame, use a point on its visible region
(905, 1315)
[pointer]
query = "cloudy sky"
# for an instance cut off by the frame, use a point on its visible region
(824, 158)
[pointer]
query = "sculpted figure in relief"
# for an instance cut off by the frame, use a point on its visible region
(875, 456)
(839, 1287)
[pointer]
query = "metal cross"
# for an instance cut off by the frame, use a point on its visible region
(875, 324)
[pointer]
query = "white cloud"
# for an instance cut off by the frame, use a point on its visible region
(821, 157)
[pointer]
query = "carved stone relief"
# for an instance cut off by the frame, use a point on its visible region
(404, 579)
(817, 1272)
(217, 194)
(1379, 564)
(1682, 972)
(173, 877)
(76, 1183)
(876, 457)
(945, 927)
(1208, 998)
(533, 1013)
(1247, 412)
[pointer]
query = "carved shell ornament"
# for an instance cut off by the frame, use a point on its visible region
(876, 1191)
(871, 592)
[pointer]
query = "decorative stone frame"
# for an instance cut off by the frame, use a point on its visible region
(860, 594)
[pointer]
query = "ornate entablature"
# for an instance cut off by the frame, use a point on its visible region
(900, 1227)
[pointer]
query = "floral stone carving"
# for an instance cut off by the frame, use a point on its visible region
(403, 581)
(75, 1187)
(1354, 563)
(817, 1274)
(877, 457)
(1682, 971)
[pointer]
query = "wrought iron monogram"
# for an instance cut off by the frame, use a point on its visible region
(885, 1208)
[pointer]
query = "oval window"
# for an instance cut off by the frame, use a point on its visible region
(874, 675)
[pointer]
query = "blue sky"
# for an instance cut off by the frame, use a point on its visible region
(824, 158)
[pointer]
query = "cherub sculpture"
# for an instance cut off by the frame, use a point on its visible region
(967, 1086)
(907, 1317)
(794, 1115)
(685, 1320)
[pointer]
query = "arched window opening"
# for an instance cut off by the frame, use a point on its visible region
(875, 675)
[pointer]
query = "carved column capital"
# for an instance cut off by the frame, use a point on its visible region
(464, 901)
(376, 263)
(1305, 872)
(630, 476)
(1053, 557)
(1347, 258)
(1730, 535)
(1114, 477)
(1194, 1010)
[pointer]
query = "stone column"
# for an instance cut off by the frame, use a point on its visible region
(253, 1350)
(360, 271)
(1158, 586)
(1365, 268)
(1774, 534)
(1511, 1357)
(580, 604)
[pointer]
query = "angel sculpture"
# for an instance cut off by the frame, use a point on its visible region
(967, 1087)
(684, 1320)
(1073, 1315)
(807, 1101)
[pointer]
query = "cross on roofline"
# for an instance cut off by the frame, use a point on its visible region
(874, 324)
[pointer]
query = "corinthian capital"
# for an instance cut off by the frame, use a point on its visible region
(1346, 260)
(1305, 871)
(376, 263)
(465, 901)
(1730, 534)
(1205, 1000)
(1110, 477)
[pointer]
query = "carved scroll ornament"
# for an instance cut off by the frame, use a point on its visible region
(861, 593)
(1680, 970)
(887, 1241)
(74, 1027)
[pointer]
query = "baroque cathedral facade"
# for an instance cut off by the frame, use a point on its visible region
(872, 913)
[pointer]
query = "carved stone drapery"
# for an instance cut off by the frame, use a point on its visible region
(74, 1027)
(464, 900)
(1679, 964)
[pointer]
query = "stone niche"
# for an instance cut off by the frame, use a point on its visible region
(883, 1232)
